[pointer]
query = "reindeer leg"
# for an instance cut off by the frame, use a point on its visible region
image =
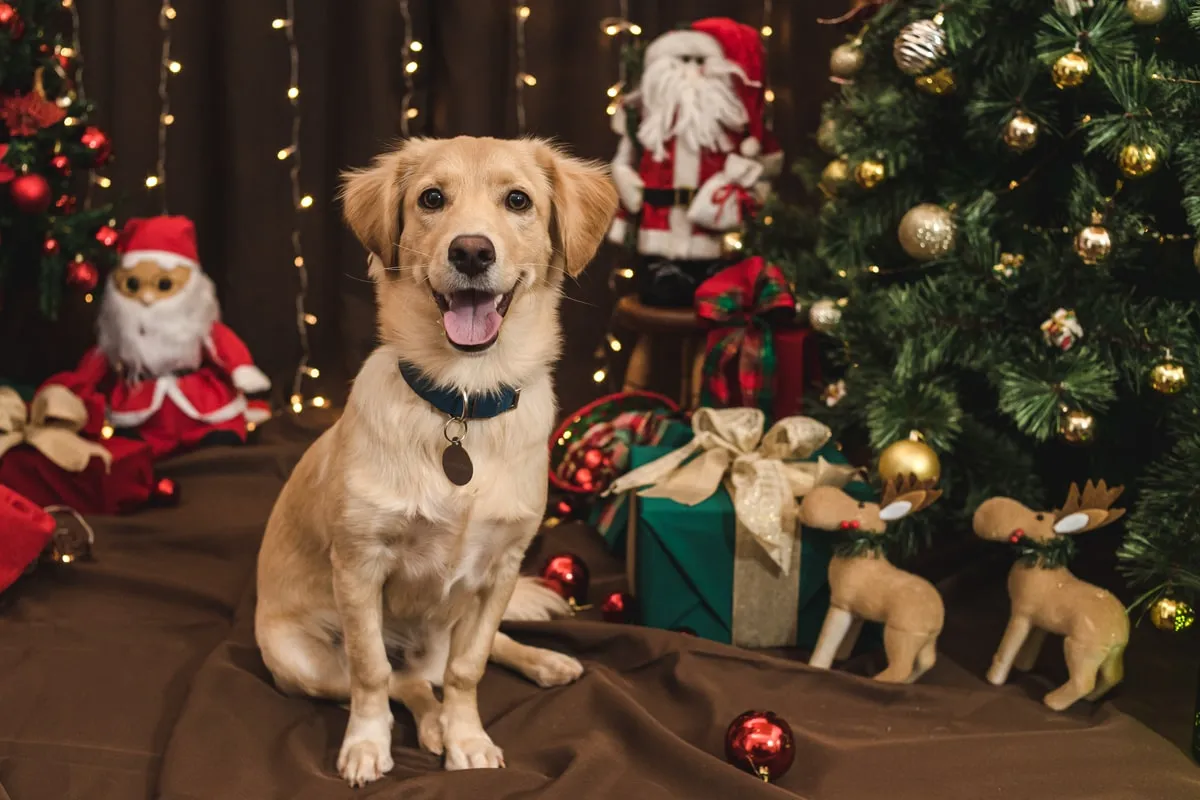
(1028, 654)
(1014, 637)
(851, 639)
(901, 648)
(926, 658)
(833, 631)
(1083, 661)
(1112, 671)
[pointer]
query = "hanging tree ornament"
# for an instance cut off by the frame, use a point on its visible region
(1008, 266)
(1076, 426)
(1094, 243)
(846, 60)
(927, 232)
(11, 21)
(1196, 256)
(1138, 160)
(834, 176)
(1172, 614)
(83, 275)
(827, 136)
(910, 456)
(869, 174)
(30, 193)
(1021, 133)
(1147, 12)
(761, 743)
(98, 142)
(1168, 376)
(937, 83)
(1071, 70)
(824, 315)
(568, 575)
(1062, 330)
(920, 45)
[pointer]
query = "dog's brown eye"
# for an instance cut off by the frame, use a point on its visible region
(131, 284)
(518, 201)
(432, 199)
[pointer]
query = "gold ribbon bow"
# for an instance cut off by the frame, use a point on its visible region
(764, 472)
(55, 418)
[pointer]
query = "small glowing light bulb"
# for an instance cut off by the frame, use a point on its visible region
(250, 426)
(410, 67)
(614, 90)
(310, 319)
(635, 29)
(306, 201)
(767, 30)
(103, 182)
(769, 95)
(175, 67)
(278, 24)
(151, 181)
(318, 402)
(298, 261)
(169, 12)
(612, 30)
(416, 46)
(412, 113)
(87, 298)
(599, 375)
(614, 343)
(285, 152)
(107, 431)
(627, 273)
(293, 92)
(70, 121)
(168, 119)
(313, 372)
(611, 110)
(528, 79)
(523, 12)
(66, 52)
(566, 435)
(297, 407)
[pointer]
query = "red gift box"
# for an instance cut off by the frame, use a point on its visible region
(25, 530)
(125, 486)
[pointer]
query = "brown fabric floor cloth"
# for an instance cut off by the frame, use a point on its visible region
(137, 676)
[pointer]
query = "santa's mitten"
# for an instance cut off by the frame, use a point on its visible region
(25, 530)
(257, 411)
(250, 379)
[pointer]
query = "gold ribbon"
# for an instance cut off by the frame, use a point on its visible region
(764, 473)
(52, 426)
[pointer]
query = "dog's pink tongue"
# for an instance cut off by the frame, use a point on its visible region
(472, 318)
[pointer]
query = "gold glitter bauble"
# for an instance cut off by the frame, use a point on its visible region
(1138, 160)
(909, 457)
(1170, 614)
(1169, 377)
(1071, 70)
(919, 46)
(927, 231)
(1093, 243)
(824, 316)
(827, 136)
(869, 174)
(1077, 427)
(1021, 133)
(836, 173)
(846, 60)
(938, 83)
(1147, 12)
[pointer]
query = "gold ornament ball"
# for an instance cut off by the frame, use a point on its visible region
(1093, 244)
(869, 174)
(1021, 133)
(927, 232)
(836, 173)
(1147, 12)
(827, 136)
(919, 46)
(846, 60)
(1170, 614)
(1071, 70)
(1077, 427)
(824, 316)
(1196, 255)
(938, 83)
(1169, 377)
(909, 457)
(1138, 160)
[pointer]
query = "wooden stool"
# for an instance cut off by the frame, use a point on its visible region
(649, 322)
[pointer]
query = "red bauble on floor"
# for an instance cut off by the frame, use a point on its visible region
(761, 743)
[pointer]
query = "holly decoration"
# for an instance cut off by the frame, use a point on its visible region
(30, 193)
(25, 115)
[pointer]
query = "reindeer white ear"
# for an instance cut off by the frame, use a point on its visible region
(894, 511)
(1072, 523)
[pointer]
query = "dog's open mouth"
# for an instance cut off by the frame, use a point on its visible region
(472, 317)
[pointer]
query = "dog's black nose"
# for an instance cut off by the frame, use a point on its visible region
(472, 255)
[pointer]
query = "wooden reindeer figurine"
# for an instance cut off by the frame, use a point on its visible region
(1046, 597)
(864, 585)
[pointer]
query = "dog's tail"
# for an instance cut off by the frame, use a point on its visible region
(533, 601)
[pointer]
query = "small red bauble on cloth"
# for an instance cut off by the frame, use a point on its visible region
(30, 193)
(98, 142)
(62, 165)
(107, 236)
(567, 574)
(11, 21)
(50, 246)
(83, 275)
(165, 493)
(618, 607)
(760, 743)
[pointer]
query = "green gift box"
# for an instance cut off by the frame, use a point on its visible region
(680, 559)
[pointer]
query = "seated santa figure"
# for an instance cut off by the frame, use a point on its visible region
(165, 367)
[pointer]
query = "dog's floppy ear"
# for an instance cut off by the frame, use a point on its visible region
(373, 198)
(584, 203)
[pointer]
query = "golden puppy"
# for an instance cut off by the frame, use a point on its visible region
(374, 547)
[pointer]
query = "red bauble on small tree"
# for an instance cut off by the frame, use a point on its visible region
(30, 194)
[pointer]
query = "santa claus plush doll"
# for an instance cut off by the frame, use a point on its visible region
(167, 370)
(694, 155)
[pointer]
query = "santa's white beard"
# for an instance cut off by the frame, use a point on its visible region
(697, 106)
(164, 337)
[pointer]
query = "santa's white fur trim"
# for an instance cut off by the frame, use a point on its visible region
(165, 258)
(683, 43)
(750, 147)
(250, 379)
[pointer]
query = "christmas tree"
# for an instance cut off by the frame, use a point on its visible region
(50, 239)
(1013, 201)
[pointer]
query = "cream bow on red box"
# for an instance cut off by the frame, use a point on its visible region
(51, 424)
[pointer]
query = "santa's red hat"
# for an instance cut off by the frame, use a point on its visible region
(169, 241)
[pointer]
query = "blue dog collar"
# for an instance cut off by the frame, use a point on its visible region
(460, 405)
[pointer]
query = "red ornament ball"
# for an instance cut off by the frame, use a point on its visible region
(107, 236)
(65, 204)
(593, 459)
(568, 575)
(98, 142)
(30, 193)
(62, 165)
(11, 21)
(618, 607)
(760, 743)
(50, 246)
(583, 476)
(83, 275)
(165, 493)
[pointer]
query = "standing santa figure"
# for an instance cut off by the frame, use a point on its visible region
(165, 368)
(694, 155)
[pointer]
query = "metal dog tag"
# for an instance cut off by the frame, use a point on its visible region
(457, 464)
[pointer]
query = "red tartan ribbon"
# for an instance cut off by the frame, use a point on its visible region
(737, 300)
(747, 205)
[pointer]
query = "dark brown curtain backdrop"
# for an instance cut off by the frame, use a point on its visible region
(232, 116)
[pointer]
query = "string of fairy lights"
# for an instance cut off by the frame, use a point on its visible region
(167, 67)
(408, 111)
(525, 79)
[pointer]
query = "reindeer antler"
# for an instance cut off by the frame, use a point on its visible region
(907, 487)
(1095, 501)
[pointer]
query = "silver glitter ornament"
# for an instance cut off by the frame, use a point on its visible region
(824, 315)
(920, 46)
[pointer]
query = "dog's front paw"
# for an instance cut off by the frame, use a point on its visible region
(554, 669)
(366, 752)
(473, 751)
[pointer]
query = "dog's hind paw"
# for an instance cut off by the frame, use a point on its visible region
(429, 733)
(554, 669)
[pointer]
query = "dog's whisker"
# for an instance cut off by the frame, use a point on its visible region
(414, 251)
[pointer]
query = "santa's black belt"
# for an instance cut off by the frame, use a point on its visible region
(668, 198)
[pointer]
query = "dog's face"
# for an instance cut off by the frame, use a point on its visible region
(471, 239)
